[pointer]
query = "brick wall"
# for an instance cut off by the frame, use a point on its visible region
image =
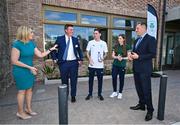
(173, 3)
(5, 68)
(121, 7)
(29, 12)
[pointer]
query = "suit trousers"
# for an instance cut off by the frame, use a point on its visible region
(99, 73)
(143, 88)
(69, 70)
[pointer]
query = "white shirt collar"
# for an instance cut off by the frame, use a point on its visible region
(67, 37)
(144, 34)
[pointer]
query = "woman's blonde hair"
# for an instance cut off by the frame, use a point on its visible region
(23, 33)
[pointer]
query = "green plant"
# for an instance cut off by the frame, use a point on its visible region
(48, 70)
(129, 71)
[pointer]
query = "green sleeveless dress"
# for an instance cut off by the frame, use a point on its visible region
(23, 77)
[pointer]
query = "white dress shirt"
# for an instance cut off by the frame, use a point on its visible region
(70, 55)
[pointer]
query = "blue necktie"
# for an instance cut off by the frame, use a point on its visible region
(66, 50)
(138, 42)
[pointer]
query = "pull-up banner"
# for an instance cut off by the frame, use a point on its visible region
(152, 21)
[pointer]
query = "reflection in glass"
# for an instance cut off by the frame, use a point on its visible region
(115, 34)
(118, 22)
(84, 34)
(95, 20)
(60, 16)
(130, 36)
(51, 33)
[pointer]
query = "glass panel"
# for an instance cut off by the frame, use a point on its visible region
(51, 33)
(84, 34)
(118, 22)
(94, 20)
(61, 16)
(130, 36)
(115, 34)
(177, 50)
(170, 51)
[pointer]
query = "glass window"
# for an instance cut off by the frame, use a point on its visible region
(115, 34)
(51, 33)
(61, 16)
(118, 22)
(130, 36)
(94, 20)
(84, 34)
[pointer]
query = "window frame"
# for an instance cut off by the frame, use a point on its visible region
(109, 21)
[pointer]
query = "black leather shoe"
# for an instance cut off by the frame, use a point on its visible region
(88, 97)
(101, 97)
(149, 116)
(138, 107)
(73, 99)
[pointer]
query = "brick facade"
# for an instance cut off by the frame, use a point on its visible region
(5, 71)
(29, 12)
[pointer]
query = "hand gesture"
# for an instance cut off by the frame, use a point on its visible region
(54, 47)
(129, 56)
(134, 55)
(80, 63)
(33, 70)
(119, 58)
(91, 62)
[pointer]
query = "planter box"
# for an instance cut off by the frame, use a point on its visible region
(52, 81)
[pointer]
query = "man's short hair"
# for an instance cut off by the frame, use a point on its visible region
(67, 25)
(142, 24)
(97, 29)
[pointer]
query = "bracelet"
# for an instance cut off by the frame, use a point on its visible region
(50, 50)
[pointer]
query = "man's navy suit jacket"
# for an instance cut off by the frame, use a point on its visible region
(146, 51)
(61, 42)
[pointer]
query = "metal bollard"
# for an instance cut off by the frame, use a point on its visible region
(162, 97)
(63, 104)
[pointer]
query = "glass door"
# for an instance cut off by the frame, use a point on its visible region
(170, 50)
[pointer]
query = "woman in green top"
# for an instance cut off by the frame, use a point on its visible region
(119, 55)
(23, 50)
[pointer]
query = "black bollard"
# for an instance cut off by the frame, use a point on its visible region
(162, 97)
(63, 104)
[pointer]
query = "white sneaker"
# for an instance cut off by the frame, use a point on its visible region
(114, 94)
(119, 96)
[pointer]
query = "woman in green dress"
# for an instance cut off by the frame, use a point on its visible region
(23, 50)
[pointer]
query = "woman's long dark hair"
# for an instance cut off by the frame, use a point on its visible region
(124, 54)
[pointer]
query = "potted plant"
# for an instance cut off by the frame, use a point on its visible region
(50, 72)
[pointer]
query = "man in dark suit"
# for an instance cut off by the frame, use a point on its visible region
(143, 51)
(69, 56)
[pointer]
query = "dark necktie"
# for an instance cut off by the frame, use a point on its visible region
(66, 50)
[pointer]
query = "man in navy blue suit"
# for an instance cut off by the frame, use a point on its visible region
(69, 56)
(143, 51)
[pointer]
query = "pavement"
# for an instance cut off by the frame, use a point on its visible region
(94, 111)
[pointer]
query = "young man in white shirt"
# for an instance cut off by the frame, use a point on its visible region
(96, 53)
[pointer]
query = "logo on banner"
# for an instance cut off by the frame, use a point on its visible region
(152, 26)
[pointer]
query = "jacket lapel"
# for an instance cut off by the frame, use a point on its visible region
(142, 41)
(63, 42)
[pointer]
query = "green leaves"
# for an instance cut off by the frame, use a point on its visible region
(48, 70)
